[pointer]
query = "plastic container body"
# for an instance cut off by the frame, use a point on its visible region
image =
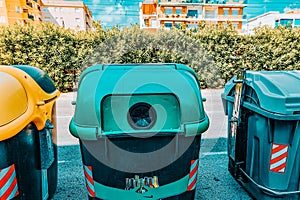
(140, 128)
(264, 154)
(28, 165)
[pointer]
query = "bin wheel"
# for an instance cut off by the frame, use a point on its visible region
(184, 196)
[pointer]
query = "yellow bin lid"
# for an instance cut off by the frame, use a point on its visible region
(27, 97)
(14, 101)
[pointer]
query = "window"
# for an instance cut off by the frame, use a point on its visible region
(55, 9)
(168, 11)
(192, 26)
(192, 13)
(276, 23)
(77, 19)
(18, 10)
(235, 12)
(178, 11)
(153, 23)
(226, 12)
(297, 23)
(177, 25)
(286, 22)
(210, 14)
(45, 9)
(235, 26)
(168, 25)
(61, 9)
(2, 19)
(47, 19)
(77, 10)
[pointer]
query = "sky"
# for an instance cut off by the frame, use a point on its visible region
(125, 12)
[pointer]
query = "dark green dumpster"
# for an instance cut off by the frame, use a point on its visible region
(28, 151)
(139, 128)
(263, 111)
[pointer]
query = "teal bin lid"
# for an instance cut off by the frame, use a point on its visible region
(277, 92)
(106, 93)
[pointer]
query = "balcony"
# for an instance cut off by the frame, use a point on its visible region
(179, 18)
(231, 18)
(231, 2)
(189, 2)
(180, 2)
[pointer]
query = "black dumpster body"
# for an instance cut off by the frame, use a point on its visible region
(28, 145)
(140, 129)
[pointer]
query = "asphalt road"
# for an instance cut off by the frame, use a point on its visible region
(214, 181)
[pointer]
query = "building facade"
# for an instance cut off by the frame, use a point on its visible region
(155, 14)
(68, 14)
(20, 11)
(274, 19)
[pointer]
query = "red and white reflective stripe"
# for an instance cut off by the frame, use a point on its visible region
(193, 175)
(8, 183)
(278, 159)
(89, 180)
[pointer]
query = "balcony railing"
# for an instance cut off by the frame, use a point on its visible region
(230, 17)
(202, 1)
(224, 1)
(182, 17)
(167, 2)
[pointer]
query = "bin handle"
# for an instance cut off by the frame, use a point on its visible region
(267, 189)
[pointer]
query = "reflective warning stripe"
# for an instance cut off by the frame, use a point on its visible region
(278, 158)
(193, 175)
(89, 180)
(8, 183)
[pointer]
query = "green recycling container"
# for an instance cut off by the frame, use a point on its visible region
(139, 127)
(263, 109)
(28, 147)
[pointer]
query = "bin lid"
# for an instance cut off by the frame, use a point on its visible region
(277, 91)
(15, 102)
(29, 97)
(100, 81)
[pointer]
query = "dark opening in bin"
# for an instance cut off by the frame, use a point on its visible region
(141, 116)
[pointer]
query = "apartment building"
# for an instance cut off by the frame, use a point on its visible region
(68, 14)
(273, 19)
(20, 11)
(155, 14)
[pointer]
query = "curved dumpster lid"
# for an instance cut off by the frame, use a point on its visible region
(29, 98)
(15, 102)
(99, 81)
(277, 91)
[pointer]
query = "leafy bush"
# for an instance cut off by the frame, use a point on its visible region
(215, 52)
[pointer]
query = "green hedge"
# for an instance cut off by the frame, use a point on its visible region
(215, 52)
